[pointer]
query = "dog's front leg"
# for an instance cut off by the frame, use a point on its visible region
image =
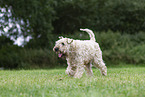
(69, 71)
(79, 71)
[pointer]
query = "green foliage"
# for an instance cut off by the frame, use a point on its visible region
(9, 56)
(9, 53)
(73, 14)
(100, 15)
(5, 41)
(120, 82)
(137, 54)
(34, 17)
(39, 58)
(121, 15)
(117, 48)
(41, 18)
(119, 24)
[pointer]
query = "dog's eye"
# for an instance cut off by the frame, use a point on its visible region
(62, 44)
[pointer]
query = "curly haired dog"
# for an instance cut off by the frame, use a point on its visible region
(80, 55)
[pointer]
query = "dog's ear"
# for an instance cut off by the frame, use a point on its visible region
(69, 41)
(60, 37)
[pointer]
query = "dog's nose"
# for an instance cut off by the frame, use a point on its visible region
(56, 49)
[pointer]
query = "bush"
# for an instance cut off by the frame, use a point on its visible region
(117, 48)
(39, 58)
(137, 54)
(9, 56)
(9, 53)
(124, 48)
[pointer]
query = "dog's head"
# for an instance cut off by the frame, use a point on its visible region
(62, 46)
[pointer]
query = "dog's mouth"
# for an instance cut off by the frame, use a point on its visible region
(61, 54)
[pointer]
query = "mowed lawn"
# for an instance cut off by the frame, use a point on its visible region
(126, 81)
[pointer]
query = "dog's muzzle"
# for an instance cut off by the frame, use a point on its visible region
(56, 49)
(60, 54)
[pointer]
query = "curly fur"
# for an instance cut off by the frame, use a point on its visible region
(80, 55)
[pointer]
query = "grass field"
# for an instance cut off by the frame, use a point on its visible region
(120, 82)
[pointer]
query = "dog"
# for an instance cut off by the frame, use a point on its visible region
(80, 55)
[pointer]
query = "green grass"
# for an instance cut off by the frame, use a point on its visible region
(120, 82)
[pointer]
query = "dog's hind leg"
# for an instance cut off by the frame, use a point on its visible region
(101, 65)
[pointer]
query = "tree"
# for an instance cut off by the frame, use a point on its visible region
(39, 18)
(33, 16)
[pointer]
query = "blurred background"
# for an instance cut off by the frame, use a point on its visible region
(29, 29)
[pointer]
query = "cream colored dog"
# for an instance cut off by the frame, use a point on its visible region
(80, 55)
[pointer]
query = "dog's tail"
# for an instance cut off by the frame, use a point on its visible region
(90, 32)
